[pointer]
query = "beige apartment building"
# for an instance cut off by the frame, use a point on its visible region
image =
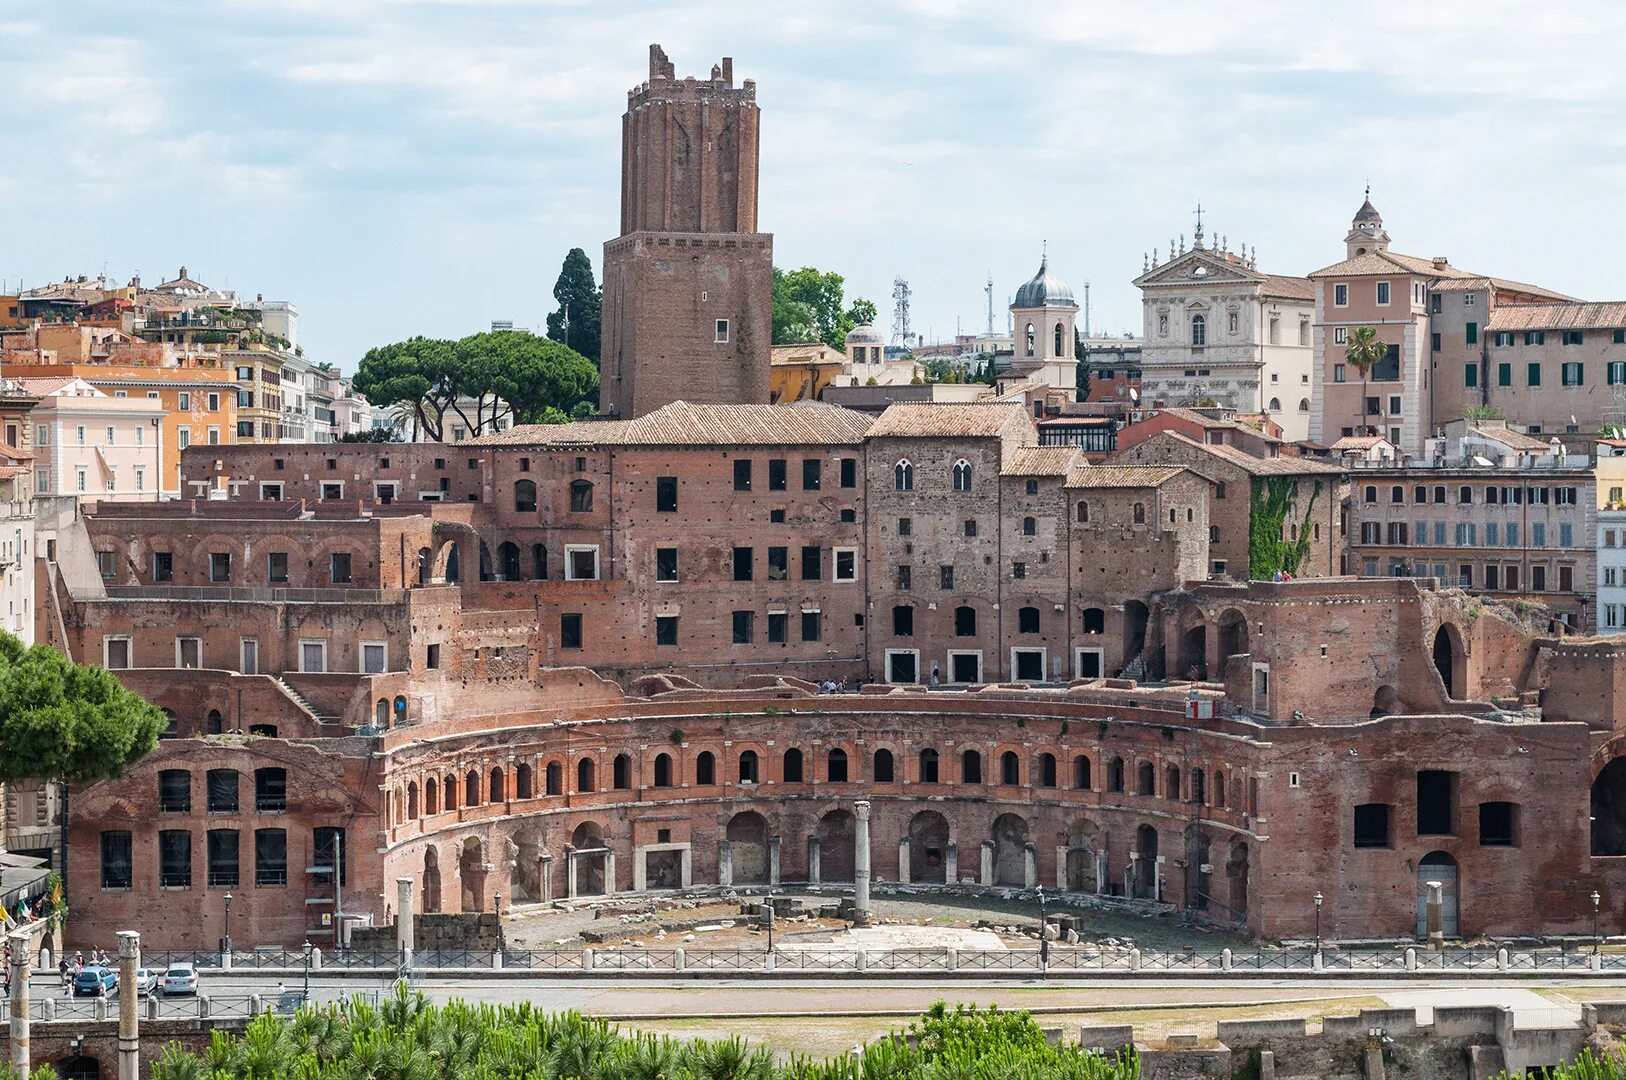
(93, 446)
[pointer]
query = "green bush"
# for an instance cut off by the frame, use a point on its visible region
(407, 1038)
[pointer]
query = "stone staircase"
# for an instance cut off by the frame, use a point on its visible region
(1136, 668)
(299, 699)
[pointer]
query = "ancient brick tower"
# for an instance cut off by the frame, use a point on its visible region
(688, 283)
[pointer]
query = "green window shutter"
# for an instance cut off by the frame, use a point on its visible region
(1473, 333)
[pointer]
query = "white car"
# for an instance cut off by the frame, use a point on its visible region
(146, 981)
(180, 979)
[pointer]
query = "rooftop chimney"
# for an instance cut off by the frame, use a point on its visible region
(1441, 261)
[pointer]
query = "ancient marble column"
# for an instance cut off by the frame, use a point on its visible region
(403, 915)
(813, 860)
(1030, 865)
(22, 966)
(544, 877)
(903, 861)
(951, 863)
(129, 1006)
(986, 877)
(1434, 915)
(861, 863)
(773, 861)
(725, 863)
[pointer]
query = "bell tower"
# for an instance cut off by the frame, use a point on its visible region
(688, 284)
(1366, 231)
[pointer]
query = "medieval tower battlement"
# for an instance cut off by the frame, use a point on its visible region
(688, 283)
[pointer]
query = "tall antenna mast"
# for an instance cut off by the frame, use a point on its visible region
(1086, 308)
(989, 289)
(900, 311)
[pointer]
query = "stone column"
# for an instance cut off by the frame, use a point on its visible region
(403, 915)
(1132, 875)
(773, 861)
(1061, 867)
(903, 861)
(1103, 872)
(129, 1005)
(685, 867)
(609, 871)
(861, 862)
(570, 874)
(813, 860)
(725, 863)
(951, 863)
(986, 875)
(1434, 915)
(544, 877)
(1030, 865)
(22, 966)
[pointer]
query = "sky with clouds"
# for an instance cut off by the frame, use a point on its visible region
(400, 167)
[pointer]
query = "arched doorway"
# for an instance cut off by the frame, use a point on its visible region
(1386, 702)
(1135, 618)
(1199, 886)
(1441, 867)
(508, 561)
(747, 835)
(1233, 635)
(431, 881)
(471, 870)
(1146, 869)
(836, 846)
(928, 847)
(1083, 842)
(79, 1067)
(1194, 653)
(589, 869)
(1609, 809)
(1010, 836)
(1449, 661)
(1236, 880)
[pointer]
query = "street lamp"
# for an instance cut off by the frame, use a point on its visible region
(1318, 899)
(227, 898)
(1044, 941)
(1596, 941)
(306, 949)
(496, 902)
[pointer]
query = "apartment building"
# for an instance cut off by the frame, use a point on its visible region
(91, 445)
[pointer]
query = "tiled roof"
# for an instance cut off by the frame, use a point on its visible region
(1041, 461)
(815, 352)
(987, 419)
(1192, 416)
(1470, 284)
(12, 453)
(1575, 316)
(1513, 440)
(1121, 476)
(683, 424)
(1389, 262)
(1256, 466)
(1358, 442)
(43, 387)
(1288, 288)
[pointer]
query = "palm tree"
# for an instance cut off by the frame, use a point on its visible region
(1365, 351)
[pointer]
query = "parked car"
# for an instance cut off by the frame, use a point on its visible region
(180, 979)
(95, 981)
(146, 981)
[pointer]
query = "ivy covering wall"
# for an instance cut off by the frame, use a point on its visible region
(1269, 549)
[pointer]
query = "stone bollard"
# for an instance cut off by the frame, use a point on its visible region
(769, 961)
(316, 959)
(587, 959)
(1374, 1064)
(99, 1009)
(1317, 962)
(1225, 959)
(954, 959)
(496, 959)
(1134, 959)
(1411, 958)
(203, 1007)
(1267, 1065)
(49, 1012)
(1596, 963)
(1501, 959)
(256, 1004)
(860, 960)
(679, 959)
(152, 1007)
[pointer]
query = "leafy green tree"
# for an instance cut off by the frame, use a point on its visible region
(808, 306)
(862, 311)
(1364, 351)
(579, 296)
(419, 375)
(372, 435)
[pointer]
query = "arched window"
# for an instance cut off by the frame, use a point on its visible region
(1370, 494)
(621, 772)
(1030, 339)
(970, 767)
(581, 496)
(426, 564)
(1047, 770)
(1171, 783)
(1147, 779)
(525, 496)
(1058, 351)
(1275, 405)
(1219, 789)
(508, 561)
(835, 766)
(431, 797)
(1081, 772)
(554, 776)
(412, 800)
(748, 767)
(1027, 620)
(1199, 330)
(663, 770)
(471, 788)
(1030, 526)
(1083, 512)
(539, 562)
(585, 780)
(965, 621)
(448, 789)
(928, 766)
(215, 724)
(903, 476)
(1115, 775)
(1304, 404)
(793, 766)
(962, 475)
(1199, 785)
(1140, 513)
(1095, 621)
(705, 768)
(496, 792)
(1010, 768)
(524, 781)
(882, 770)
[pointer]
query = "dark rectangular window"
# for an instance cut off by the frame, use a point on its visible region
(1504, 374)
(744, 625)
(1434, 342)
(432, 657)
(811, 474)
(116, 868)
(666, 494)
(906, 526)
(222, 791)
(1472, 331)
(220, 566)
(175, 859)
(776, 517)
(1574, 337)
(903, 620)
(778, 563)
(666, 629)
(777, 627)
(174, 791)
(812, 560)
(849, 472)
(971, 528)
(743, 558)
(1498, 824)
(222, 844)
(1470, 374)
(945, 577)
(812, 626)
(1372, 825)
(742, 474)
(163, 566)
(339, 568)
(270, 790)
(1436, 792)
(666, 564)
(570, 631)
(905, 578)
(276, 567)
(1533, 374)
(776, 474)
(270, 857)
(848, 514)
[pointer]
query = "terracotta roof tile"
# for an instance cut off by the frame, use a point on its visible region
(1574, 316)
(1470, 284)
(1288, 288)
(1256, 466)
(1041, 461)
(684, 424)
(1121, 476)
(1513, 440)
(978, 419)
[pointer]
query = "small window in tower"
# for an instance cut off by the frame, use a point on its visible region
(722, 331)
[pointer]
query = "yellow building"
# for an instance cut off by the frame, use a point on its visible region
(801, 372)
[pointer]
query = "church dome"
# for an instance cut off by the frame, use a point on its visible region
(1044, 289)
(865, 334)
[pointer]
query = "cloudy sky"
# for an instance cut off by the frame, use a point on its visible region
(399, 167)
